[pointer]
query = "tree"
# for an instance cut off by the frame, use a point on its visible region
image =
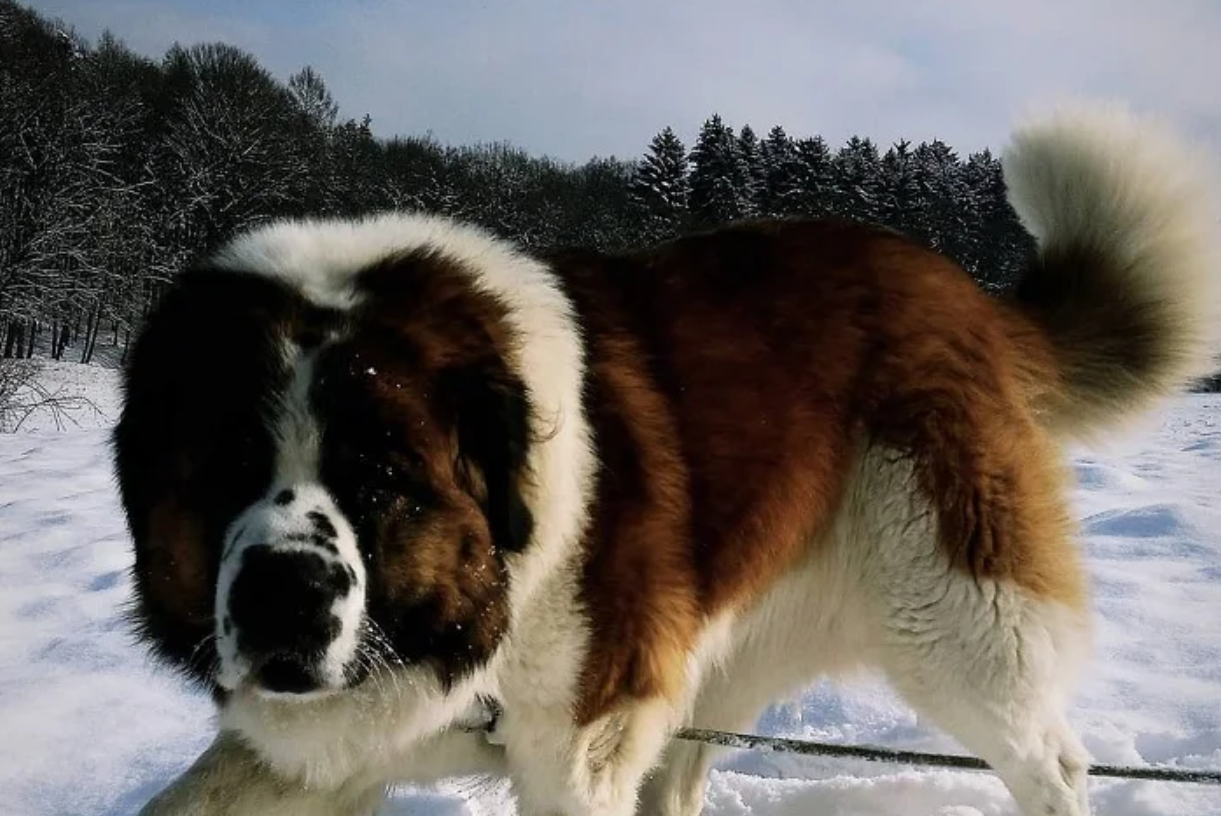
(660, 186)
(780, 193)
(314, 135)
(754, 178)
(901, 198)
(1000, 246)
(939, 217)
(598, 210)
(857, 181)
(719, 176)
(61, 183)
(313, 99)
(229, 143)
(815, 192)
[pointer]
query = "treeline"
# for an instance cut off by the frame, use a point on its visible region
(115, 168)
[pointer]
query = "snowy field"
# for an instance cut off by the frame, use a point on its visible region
(89, 726)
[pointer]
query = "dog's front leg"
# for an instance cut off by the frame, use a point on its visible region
(229, 779)
(560, 768)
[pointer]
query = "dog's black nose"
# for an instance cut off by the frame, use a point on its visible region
(280, 608)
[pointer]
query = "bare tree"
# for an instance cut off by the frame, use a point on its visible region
(24, 394)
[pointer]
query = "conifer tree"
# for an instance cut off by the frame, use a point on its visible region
(858, 180)
(999, 245)
(718, 176)
(780, 194)
(900, 198)
(940, 213)
(752, 168)
(814, 188)
(659, 187)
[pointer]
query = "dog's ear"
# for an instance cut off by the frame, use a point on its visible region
(490, 411)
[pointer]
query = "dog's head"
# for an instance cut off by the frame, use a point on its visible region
(324, 476)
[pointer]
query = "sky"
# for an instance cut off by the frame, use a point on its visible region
(581, 78)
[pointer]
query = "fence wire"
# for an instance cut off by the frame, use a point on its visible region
(873, 754)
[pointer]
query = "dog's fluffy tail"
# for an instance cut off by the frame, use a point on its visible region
(1122, 302)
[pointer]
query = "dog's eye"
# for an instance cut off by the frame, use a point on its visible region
(378, 480)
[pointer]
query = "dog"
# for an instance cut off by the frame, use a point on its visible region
(383, 473)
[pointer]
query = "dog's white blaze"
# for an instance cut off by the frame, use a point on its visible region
(298, 435)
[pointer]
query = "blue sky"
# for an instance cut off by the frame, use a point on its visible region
(594, 77)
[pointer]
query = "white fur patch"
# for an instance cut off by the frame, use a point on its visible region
(287, 528)
(298, 437)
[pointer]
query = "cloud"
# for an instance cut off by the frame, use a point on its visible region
(579, 79)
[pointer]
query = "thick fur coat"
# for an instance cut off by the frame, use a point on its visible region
(420, 470)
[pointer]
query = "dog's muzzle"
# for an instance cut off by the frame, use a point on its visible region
(290, 599)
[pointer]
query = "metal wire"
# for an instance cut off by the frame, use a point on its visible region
(874, 754)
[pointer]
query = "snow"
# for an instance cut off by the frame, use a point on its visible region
(91, 725)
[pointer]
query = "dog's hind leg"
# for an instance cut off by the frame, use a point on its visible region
(988, 658)
(983, 666)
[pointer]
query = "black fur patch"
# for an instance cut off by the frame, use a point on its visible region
(192, 448)
(492, 413)
(323, 526)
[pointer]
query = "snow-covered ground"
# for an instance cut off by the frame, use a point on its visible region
(89, 726)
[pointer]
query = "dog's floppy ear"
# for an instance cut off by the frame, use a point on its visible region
(490, 411)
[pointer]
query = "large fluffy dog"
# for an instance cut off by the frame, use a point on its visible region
(379, 473)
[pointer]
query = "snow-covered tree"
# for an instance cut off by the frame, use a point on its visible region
(857, 180)
(598, 199)
(815, 194)
(999, 244)
(900, 201)
(719, 177)
(941, 209)
(660, 186)
(313, 99)
(754, 176)
(229, 143)
(781, 190)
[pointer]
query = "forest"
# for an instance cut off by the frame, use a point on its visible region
(117, 169)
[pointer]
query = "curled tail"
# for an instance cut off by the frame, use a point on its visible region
(1121, 304)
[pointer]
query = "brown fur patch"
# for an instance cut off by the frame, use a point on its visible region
(393, 457)
(730, 375)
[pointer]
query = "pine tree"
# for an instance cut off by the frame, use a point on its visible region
(719, 181)
(978, 206)
(940, 212)
(780, 194)
(858, 180)
(1000, 246)
(660, 187)
(900, 201)
(814, 178)
(752, 166)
